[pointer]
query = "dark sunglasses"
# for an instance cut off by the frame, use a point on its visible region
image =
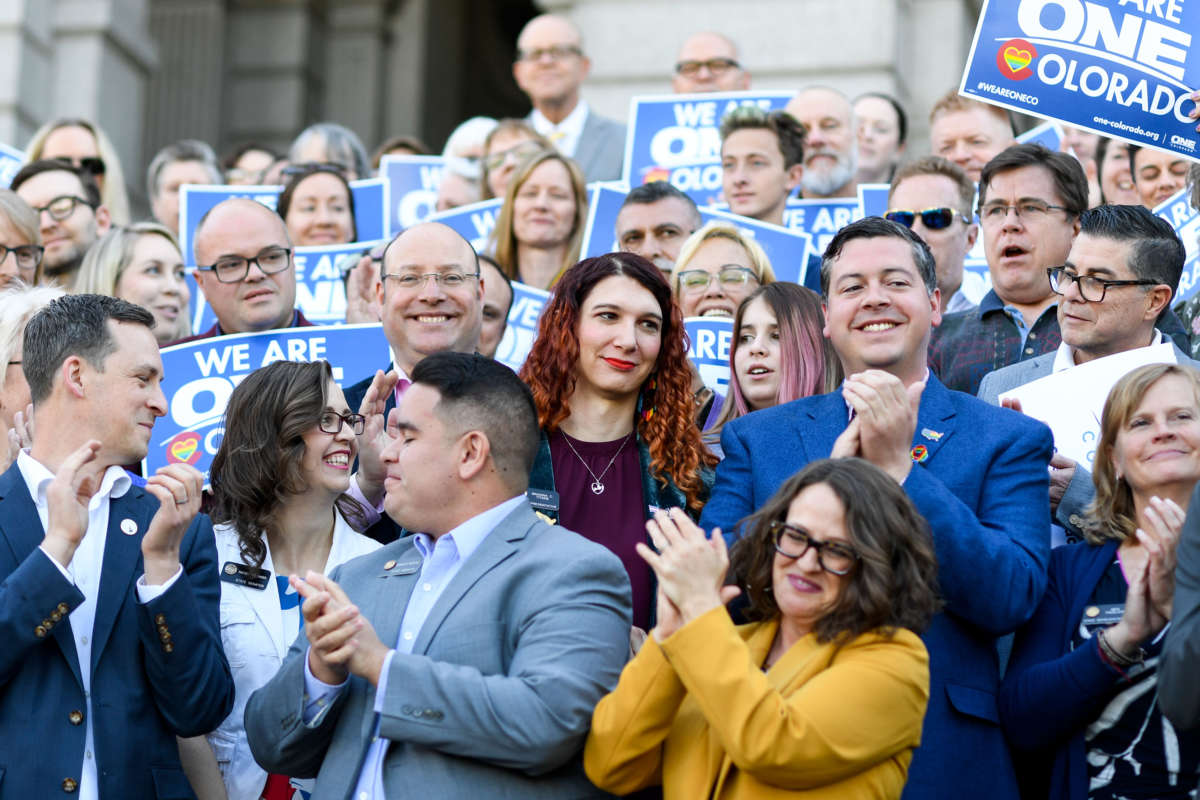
(933, 218)
(91, 164)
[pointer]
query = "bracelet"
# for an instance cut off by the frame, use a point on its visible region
(1118, 660)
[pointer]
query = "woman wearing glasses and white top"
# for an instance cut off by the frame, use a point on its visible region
(279, 505)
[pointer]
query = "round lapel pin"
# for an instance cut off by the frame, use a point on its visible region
(128, 527)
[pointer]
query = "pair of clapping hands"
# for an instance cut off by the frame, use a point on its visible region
(341, 640)
(1150, 573)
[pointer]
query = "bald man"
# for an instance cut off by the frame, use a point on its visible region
(708, 62)
(830, 147)
(550, 68)
(245, 269)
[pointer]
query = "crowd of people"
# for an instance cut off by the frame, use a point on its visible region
(861, 571)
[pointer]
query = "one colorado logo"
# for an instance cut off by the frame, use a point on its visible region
(1015, 59)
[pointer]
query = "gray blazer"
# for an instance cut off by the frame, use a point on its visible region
(600, 152)
(1081, 490)
(497, 696)
(1178, 689)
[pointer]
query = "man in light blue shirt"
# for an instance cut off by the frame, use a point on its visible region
(465, 658)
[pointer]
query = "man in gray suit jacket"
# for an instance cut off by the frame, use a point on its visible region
(1119, 278)
(465, 660)
(550, 68)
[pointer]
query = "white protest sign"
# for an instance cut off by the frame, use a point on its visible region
(1071, 401)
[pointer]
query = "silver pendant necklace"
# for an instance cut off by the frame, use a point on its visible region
(597, 484)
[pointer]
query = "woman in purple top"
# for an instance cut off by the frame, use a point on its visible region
(610, 378)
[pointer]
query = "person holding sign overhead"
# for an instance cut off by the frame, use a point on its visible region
(246, 269)
(539, 229)
(611, 381)
(279, 505)
(1079, 699)
(317, 206)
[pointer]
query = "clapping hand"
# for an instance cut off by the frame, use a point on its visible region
(886, 411)
(341, 640)
(362, 297)
(20, 436)
(690, 567)
(179, 489)
(1160, 539)
(67, 498)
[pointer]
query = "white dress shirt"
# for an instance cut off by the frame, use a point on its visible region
(1064, 357)
(442, 558)
(565, 135)
(84, 572)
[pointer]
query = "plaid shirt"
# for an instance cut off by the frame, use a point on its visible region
(970, 344)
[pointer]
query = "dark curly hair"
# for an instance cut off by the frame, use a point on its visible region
(893, 585)
(258, 465)
(667, 423)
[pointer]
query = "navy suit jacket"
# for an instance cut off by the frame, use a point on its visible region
(157, 670)
(982, 488)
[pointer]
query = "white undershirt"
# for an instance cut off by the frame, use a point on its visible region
(566, 134)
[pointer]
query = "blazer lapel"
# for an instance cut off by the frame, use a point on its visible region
(21, 530)
(495, 548)
(390, 591)
(589, 143)
(935, 420)
(824, 419)
(122, 561)
(266, 606)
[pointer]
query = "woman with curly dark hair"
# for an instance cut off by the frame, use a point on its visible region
(610, 378)
(824, 694)
(279, 508)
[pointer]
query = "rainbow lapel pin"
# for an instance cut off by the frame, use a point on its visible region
(931, 435)
(919, 453)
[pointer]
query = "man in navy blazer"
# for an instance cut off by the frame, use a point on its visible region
(977, 473)
(108, 592)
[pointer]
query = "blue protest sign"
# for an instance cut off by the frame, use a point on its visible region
(320, 291)
(1177, 210)
(1048, 134)
(1121, 68)
(198, 378)
(475, 221)
(11, 160)
(370, 208)
(821, 218)
(677, 138)
(709, 340)
(787, 250)
(413, 184)
(873, 199)
(523, 316)
(600, 229)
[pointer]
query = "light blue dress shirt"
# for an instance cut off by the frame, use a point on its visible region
(441, 558)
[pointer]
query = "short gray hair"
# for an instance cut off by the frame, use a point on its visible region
(18, 303)
(183, 150)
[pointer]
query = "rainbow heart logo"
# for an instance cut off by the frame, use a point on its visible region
(184, 448)
(1015, 58)
(656, 174)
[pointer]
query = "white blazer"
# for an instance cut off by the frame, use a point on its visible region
(252, 633)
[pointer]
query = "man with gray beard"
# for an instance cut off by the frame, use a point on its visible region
(830, 154)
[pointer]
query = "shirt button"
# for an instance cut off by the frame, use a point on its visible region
(83, 639)
(1028, 351)
(428, 587)
(75, 717)
(88, 754)
(363, 796)
(408, 636)
(1033, 336)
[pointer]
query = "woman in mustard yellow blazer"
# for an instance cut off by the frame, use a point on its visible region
(821, 698)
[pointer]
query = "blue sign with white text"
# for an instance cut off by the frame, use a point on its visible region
(1048, 134)
(821, 219)
(873, 199)
(1178, 211)
(522, 329)
(677, 138)
(11, 160)
(600, 228)
(198, 378)
(413, 184)
(1123, 68)
(709, 341)
(475, 221)
(370, 208)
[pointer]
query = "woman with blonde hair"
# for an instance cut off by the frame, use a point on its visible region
(539, 230)
(718, 267)
(20, 241)
(141, 263)
(509, 143)
(1078, 703)
(85, 145)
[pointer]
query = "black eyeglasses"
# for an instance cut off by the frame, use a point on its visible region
(331, 422)
(27, 256)
(62, 206)
(834, 557)
(715, 66)
(557, 53)
(1091, 289)
(232, 269)
(935, 219)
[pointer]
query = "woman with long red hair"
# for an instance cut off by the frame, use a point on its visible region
(610, 379)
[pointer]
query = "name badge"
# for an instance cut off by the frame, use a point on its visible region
(1102, 616)
(245, 575)
(543, 500)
